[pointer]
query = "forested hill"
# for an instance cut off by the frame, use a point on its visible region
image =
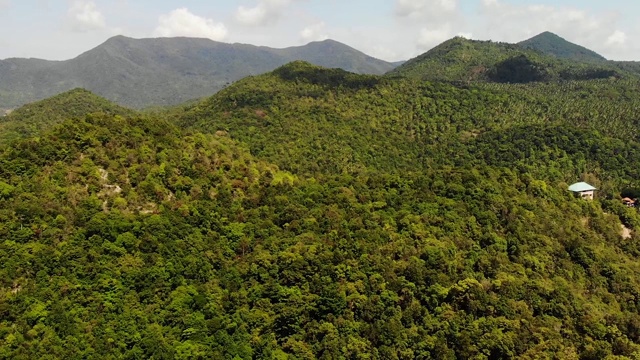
(348, 122)
(465, 60)
(144, 72)
(315, 213)
(552, 44)
(32, 119)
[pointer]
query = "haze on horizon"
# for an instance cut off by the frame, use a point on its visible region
(388, 29)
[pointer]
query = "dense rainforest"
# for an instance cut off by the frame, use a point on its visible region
(313, 213)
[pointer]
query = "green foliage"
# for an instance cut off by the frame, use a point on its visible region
(299, 119)
(313, 213)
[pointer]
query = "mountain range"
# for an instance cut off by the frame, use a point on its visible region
(140, 73)
(165, 71)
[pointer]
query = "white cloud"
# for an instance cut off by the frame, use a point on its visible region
(425, 8)
(398, 30)
(617, 38)
(430, 22)
(181, 22)
(252, 16)
(85, 16)
(315, 32)
(265, 12)
(430, 37)
(381, 52)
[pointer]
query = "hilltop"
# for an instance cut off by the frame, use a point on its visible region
(460, 59)
(552, 44)
(32, 119)
(164, 71)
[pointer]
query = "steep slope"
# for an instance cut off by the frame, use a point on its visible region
(460, 59)
(126, 237)
(34, 118)
(165, 71)
(552, 44)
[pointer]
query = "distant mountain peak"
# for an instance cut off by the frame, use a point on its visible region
(548, 33)
(546, 57)
(327, 41)
(117, 40)
(167, 71)
(553, 44)
(119, 37)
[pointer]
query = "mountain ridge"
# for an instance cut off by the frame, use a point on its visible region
(158, 72)
(165, 71)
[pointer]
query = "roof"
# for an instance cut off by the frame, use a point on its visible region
(581, 187)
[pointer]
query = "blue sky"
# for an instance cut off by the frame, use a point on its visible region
(388, 29)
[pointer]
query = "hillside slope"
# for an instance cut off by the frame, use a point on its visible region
(552, 44)
(465, 60)
(164, 71)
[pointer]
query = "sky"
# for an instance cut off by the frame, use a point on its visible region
(387, 29)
